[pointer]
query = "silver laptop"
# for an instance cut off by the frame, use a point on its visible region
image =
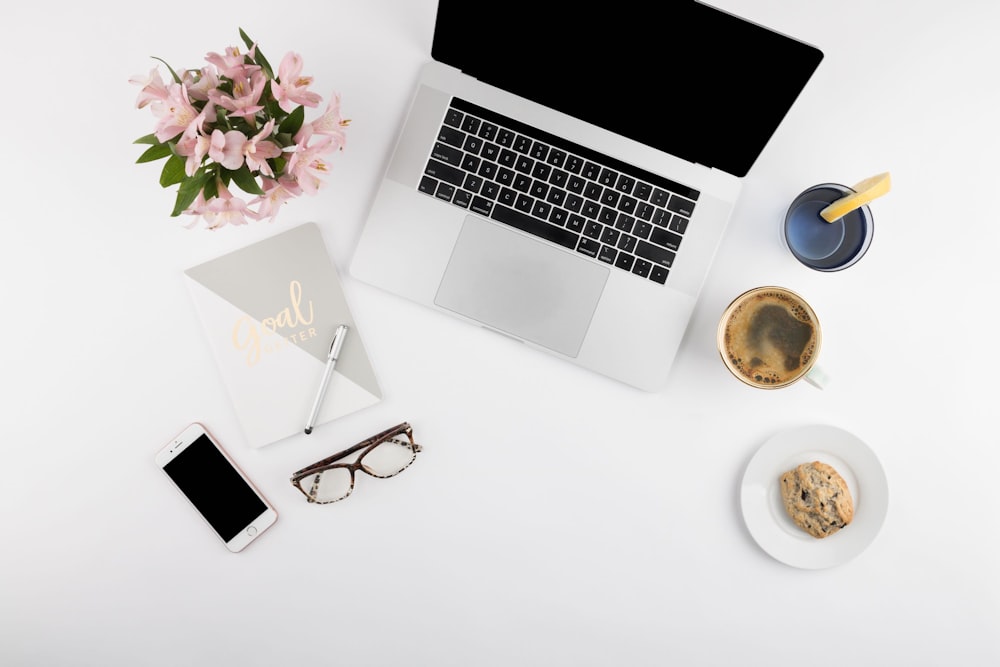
(565, 177)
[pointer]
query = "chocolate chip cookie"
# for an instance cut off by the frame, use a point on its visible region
(817, 498)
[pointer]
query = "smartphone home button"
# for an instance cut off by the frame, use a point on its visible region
(251, 531)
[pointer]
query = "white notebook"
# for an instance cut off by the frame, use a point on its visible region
(269, 312)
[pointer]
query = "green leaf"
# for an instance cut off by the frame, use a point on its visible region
(177, 79)
(245, 181)
(211, 189)
(293, 123)
(148, 139)
(189, 189)
(261, 60)
(154, 152)
(173, 171)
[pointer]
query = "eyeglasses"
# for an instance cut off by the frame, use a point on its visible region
(384, 455)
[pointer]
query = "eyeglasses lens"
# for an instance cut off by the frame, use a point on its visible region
(389, 458)
(328, 486)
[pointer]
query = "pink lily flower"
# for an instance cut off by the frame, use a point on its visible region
(199, 86)
(153, 88)
(291, 88)
(227, 149)
(257, 151)
(245, 99)
(306, 166)
(176, 113)
(194, 148)
(330, 124)
(226, 210)
(275, 194)
(232, 64)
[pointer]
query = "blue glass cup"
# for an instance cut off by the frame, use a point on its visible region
(822, 245)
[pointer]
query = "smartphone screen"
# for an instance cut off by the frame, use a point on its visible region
(216, 487)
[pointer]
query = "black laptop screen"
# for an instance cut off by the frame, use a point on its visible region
(678, 75)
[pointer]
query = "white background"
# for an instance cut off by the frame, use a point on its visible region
(555, 517)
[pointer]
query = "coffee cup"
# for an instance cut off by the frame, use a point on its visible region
(822, 245)
(769, 337)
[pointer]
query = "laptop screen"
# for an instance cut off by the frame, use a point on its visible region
(681, 76)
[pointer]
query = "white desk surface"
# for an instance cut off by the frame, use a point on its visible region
(555, 517)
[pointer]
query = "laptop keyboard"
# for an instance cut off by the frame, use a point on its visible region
(559, 191)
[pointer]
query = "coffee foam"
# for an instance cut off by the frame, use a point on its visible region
(770, 338)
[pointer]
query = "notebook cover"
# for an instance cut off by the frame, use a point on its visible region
(270, 311)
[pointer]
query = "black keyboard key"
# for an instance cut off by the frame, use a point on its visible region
(678, 224)
(666, 239)
(593, 191)
(505, 137)
(481, 205)
(541, 210)
(473, 183)
(488, 131)
(627, 204)
(593, 229)
(588, 247)
(507, 157)
(642, 191)
(591, 171)
(607, 254)
(507, 196)
(522, 144)
(644, 211)
(627, 242)
(487, 169)
(462, 198)
(609, 197)
(680, 205)
(557, 158)
(660, 197)
(505, 176)
(471, 124)
(445, 191)
(541, 171)
(451, 136)
(610, 235)
(590, 209)
(624, 261)
(576, 222)
(559, 178)
(539, 151)
(539, 189)
(490, 190)
(454, 118)
(576, 184)
(608, 178)
(654, 253)
(444, 172)
(573, 164)
(427, 185)
(658, 274)
(608, 215)
(524, 203)
(526, 223)
(625, 184)
(490, 151)
(574, 202)
(470, 163)
(558, 216)
(522, 182)
(556, 196)
(472, 144)
(641, 267)
(524, 164)
(642, 229)
(447, 154)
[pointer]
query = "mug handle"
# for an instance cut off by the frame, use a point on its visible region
(817, 377)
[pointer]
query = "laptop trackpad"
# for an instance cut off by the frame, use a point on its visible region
(521, 286)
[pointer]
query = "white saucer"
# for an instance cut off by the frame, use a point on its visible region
(764, 513)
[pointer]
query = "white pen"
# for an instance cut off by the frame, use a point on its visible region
(331, 361)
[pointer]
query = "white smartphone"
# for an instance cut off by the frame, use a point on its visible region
(202, 470)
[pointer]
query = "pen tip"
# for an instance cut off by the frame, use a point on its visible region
(309, 430)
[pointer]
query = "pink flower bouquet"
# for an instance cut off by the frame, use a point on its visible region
(234, 123)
